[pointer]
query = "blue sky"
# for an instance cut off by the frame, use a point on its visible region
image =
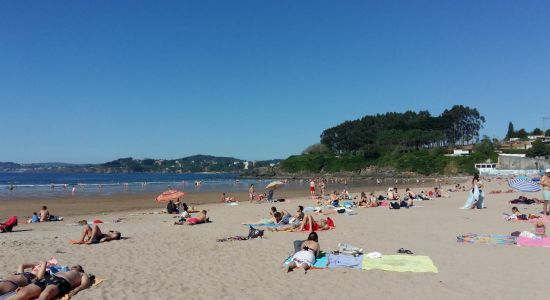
(92, 81)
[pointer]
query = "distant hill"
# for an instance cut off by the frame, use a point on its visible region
(190, 164)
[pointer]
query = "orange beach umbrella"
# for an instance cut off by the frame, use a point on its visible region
(170, 195)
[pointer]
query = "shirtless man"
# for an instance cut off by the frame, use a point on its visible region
(44, 214)
(95, 236)
(199, 219)
(55, 286)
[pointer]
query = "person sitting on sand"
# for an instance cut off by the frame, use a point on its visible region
(184, 211)
(171, 208)
(392, 196)
(44, 214)
(368, 201)
(54, 287)
(305, 257)
(299, 215)
(411, 195)
(334, 199)
(95, 236)
(23, 278)
(199, 219)
(34, 219)
(227, 199)
(363, 200)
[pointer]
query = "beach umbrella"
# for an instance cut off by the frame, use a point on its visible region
(523, 185)
(169, 195)
(274, 185)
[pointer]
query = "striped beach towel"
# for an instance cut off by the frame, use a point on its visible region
(473, 238)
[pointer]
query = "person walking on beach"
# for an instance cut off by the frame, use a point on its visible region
(251, 193)
(545, 182)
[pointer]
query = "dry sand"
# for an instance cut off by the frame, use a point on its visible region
(163, 261)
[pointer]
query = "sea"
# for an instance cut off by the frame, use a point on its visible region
(60, 185)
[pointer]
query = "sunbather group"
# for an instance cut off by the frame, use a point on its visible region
(199, 219)
(38, 283)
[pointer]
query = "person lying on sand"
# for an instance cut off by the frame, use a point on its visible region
(95, 236)
(308, 224)
(199, 219)
(22, 278)
(62, 283)
(274, 219)
(305, 258)
(517, 215)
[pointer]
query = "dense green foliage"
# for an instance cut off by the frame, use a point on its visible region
(538, 148)
(422, 161)
(409, 141)
(405, 131)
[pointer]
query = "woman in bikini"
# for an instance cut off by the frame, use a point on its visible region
(308, 224)
(22, 278)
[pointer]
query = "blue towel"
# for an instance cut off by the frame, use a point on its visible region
(345, 261)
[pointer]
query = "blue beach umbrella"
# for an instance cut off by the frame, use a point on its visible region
(523, 185)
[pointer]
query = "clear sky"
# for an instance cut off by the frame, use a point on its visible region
(92, 81)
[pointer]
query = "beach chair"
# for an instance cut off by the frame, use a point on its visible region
(9, 224)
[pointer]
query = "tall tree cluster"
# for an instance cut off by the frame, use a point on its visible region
(405, 131)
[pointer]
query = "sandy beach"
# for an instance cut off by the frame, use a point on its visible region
(163, 261)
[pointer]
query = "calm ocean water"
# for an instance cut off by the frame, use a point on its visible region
(48, 185)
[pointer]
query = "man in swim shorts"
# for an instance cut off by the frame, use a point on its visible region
(95, 236)
(62, 283)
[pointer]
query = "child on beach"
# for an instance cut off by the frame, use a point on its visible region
(34, 219)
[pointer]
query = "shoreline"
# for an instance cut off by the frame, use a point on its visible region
(97, 204)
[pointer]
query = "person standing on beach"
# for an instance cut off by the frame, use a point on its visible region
(545, 182)
(312, 187)
(251, 193)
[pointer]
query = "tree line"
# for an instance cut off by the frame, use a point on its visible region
(406, 131)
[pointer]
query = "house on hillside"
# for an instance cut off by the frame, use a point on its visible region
(460, 151)
(515, 144)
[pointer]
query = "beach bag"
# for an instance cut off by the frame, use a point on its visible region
(395, 205)
(254, 233)
(404, 204)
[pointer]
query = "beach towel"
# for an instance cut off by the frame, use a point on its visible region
(320, 263)
(270, 225)
(400, 263)
(345, 261)
(96, 281)
(473, 238)
(528, 242)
